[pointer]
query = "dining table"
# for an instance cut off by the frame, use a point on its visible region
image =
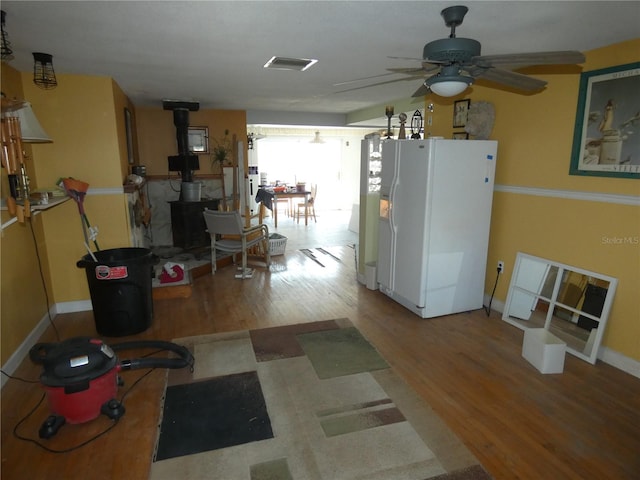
(268, 196)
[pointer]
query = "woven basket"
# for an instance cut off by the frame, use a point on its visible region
(277, 244)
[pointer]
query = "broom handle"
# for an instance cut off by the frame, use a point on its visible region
(86, 220)
(84, 230)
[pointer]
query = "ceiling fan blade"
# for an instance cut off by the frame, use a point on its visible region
(355, 80)
(508, 78)
(376, 84)
(391, 71)
(405, 58)
(426, 67)
(422, 91)
(408, 71)
(564, 57)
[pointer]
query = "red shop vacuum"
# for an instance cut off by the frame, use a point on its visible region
(80, 377)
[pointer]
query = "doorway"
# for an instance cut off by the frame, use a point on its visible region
(289, 156)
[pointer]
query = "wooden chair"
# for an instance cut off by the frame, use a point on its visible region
(310, 205)
(237, 239)
(286, 202)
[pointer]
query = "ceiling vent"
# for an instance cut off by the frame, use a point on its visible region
(285, 63)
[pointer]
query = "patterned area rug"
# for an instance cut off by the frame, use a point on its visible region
(310, 401)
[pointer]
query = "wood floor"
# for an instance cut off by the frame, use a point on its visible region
(582, 424)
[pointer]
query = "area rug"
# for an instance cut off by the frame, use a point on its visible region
(311, 401)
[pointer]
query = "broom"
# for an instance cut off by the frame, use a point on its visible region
(77, 190)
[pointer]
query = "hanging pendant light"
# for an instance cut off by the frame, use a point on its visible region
(31, 130)
(7, 52)
(43, 74)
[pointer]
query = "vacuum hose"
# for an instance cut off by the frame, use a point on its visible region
(185, 357)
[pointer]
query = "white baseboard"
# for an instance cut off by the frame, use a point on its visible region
(71, 307)
(605, 354)
(496, 305)
(621, 362)
(22, 351)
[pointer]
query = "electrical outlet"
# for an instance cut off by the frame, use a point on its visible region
(500, 266)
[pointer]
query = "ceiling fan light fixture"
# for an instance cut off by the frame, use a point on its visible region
(448, 85)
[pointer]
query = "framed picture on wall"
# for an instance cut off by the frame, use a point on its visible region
(460, 109)
(460, 136)
(199, 140)
(129, 134)
(606, 139)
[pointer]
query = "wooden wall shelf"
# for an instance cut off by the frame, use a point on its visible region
(35, 208)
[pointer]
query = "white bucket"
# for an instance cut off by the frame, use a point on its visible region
(191, 191)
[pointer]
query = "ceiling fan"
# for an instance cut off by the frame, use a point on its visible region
(450, 65)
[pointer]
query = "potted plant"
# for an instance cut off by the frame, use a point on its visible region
(221, 151)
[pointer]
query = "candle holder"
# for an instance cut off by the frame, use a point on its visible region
(403, 119)
(416, 123)
(388, 111)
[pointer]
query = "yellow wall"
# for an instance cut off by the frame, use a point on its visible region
(22, 299)
(535, 136)
(157, 135)
(84, 117)
(79, 115)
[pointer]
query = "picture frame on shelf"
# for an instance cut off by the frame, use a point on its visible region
(199, 140)
(460, 110)
(460, 136)
(606, 140)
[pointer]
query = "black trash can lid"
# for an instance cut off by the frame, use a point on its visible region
(119, 256)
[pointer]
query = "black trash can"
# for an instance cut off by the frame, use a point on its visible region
(120, 287)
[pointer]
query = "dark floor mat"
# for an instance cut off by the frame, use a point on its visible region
(212, 414)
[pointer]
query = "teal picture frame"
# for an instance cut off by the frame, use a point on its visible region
(606, 141)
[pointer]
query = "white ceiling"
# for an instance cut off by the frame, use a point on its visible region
(213, 52)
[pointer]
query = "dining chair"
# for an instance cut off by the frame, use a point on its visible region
(310, 205)
(228, 235)
(286, 202)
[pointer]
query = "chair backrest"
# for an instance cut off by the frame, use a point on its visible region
(314, 192)
(226, 223)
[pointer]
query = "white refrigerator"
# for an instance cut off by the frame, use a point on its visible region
(435, 213)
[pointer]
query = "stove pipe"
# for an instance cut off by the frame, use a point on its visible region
(184, 162)
(181, 122)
